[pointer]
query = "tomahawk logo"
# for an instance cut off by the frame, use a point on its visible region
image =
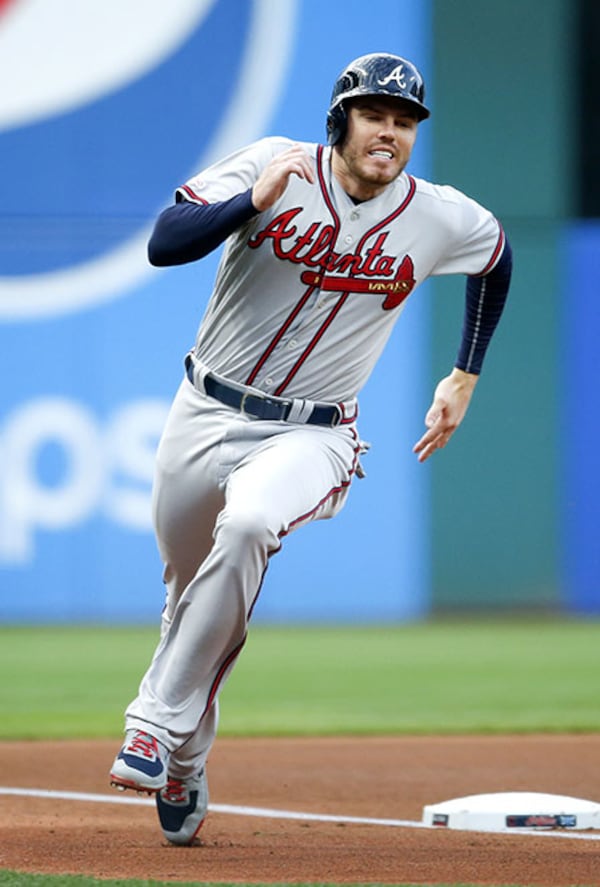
(397, 75)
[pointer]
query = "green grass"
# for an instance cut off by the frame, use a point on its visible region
(435, 677)
(69, 681)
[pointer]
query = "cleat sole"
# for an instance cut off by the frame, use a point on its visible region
(122, 785)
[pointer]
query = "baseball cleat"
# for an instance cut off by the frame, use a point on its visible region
(182, 806)
(141, 764)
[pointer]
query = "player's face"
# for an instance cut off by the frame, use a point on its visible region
(379, 140)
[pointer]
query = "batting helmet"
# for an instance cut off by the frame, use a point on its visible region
(378, 73)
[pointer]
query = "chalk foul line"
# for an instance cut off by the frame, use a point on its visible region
(267, 813)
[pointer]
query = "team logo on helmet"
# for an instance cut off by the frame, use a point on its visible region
(397, 75)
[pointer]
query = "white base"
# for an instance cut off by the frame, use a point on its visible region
(514, 812)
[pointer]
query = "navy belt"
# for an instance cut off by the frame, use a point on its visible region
(261, 406)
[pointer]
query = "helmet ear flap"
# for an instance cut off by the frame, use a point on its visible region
(337, 121)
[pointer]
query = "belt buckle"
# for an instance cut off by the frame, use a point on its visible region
(246, 394)
(262, 403)
(270, 408)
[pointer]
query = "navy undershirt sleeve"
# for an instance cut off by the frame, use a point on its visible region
(484, 301)
(188, 231)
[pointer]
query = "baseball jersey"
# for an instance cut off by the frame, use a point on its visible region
(307, 292)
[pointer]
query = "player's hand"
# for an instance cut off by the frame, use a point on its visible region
(273, 180)
(450, 403)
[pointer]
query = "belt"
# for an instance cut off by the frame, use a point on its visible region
(262, 406)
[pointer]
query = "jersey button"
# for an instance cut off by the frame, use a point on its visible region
(269, 381)
(348, 238)
(292, 343)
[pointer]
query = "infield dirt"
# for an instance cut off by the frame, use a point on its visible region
(388, 777)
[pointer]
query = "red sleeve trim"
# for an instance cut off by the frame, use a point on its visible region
(495, 255)
(192, 195)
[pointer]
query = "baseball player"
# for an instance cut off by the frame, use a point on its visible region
(322, 247)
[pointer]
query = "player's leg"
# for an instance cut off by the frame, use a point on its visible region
(294, 476)
(188, 490)
(187, 498)
(254, 499)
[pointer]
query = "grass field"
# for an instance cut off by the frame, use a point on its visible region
(435, 677)
(480, 676)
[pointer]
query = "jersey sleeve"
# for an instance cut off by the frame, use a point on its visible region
(232, 175)
(475, 239)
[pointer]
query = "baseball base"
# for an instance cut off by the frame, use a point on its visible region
(514, 811)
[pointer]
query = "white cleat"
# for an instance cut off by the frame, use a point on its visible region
(141, 764)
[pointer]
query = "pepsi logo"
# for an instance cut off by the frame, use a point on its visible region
(102, 116)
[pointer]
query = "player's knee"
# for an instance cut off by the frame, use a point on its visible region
(247, 530)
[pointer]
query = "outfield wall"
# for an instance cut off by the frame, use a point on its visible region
(502, 100)
(514, 520)
(92, 338)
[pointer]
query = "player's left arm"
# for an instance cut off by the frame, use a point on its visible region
(484, 303)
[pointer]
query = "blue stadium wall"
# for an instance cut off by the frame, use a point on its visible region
(92, 339)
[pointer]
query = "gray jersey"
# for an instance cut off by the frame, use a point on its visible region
(307, 293)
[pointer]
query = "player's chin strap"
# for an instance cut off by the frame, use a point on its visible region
(259, 405)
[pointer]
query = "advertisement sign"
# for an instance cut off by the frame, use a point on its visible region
(105, 108)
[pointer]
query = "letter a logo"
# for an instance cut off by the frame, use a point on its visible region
(397, 75)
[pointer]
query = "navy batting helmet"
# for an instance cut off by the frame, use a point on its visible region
(378, 73)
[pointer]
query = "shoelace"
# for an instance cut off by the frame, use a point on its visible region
(175, 791)
(143, 743)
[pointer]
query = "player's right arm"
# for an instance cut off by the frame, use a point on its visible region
(195, 226)
(272, 182)
(186, 232)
